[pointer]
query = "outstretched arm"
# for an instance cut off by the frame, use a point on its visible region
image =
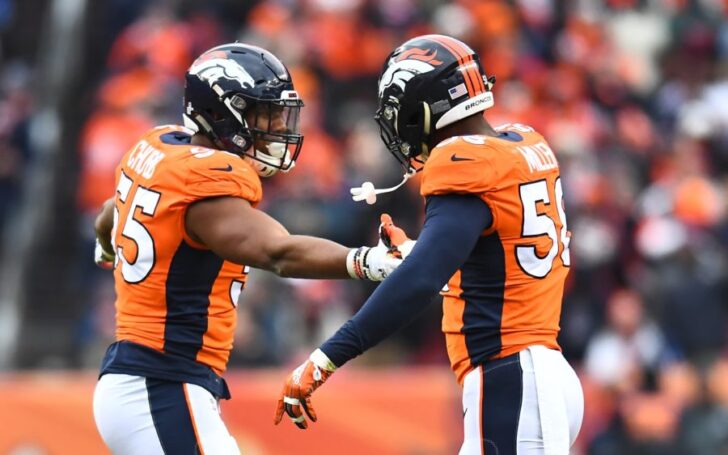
(237, 232)
(452, 227)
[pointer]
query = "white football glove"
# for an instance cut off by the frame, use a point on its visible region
(378, 262)
(371, 263)
(103, 258)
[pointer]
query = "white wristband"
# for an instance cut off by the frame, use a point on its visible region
(322, 361)
(355, 263)
(350, 264)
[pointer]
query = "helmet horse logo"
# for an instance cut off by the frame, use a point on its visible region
(212, 70)
(406, 66)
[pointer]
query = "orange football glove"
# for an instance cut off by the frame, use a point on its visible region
(394, 237)
(299, 387)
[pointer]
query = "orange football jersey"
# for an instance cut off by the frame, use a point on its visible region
(174, 295)
(507, 295)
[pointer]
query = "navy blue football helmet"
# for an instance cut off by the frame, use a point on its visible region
(242, 98)
(428, 83)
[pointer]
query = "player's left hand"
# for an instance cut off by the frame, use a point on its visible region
(299, 386)
(103, 258)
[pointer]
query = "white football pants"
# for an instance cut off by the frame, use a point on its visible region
(529, 403)
(145, 416)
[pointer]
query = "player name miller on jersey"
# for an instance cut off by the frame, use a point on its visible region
(144, 159)
(539, 157)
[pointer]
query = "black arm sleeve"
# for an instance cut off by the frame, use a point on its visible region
(453, 224)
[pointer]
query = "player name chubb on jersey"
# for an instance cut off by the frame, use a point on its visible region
(144, 159)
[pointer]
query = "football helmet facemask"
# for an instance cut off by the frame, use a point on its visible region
(242, 98)
(428, 83)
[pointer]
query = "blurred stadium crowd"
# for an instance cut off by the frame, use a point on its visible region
(632, 94)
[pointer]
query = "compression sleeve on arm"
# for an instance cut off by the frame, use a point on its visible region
(453, 224)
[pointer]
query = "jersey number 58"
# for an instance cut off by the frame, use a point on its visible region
(537, 224)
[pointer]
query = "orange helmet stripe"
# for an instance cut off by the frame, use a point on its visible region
(460, 54)
(475, 74)
(467, 57)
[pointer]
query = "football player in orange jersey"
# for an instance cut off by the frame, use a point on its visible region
(181, 232)
(495, 234)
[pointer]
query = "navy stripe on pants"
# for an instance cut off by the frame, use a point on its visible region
(502, 397)
(171, 417)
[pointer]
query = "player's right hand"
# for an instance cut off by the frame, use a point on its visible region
(371, 263)
(103, 258)
(394, 237)
(377, 263)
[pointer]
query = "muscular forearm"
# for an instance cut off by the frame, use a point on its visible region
(237, 232)
(300, 256)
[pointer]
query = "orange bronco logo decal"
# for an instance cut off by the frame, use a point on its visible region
(423, 55)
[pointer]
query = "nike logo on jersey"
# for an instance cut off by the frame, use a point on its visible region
(454, 157)
(229, 168)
